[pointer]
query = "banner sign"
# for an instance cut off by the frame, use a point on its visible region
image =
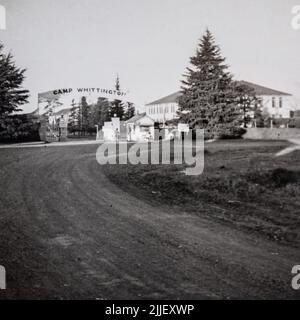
(61, 99)
(57, 105)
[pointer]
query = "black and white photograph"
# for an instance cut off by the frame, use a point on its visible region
(149, 151)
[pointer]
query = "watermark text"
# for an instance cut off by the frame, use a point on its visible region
(2, 278)
(296, 17)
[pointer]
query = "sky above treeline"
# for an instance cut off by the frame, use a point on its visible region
(77, 43)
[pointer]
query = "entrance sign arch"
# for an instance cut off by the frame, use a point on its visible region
(54, 107)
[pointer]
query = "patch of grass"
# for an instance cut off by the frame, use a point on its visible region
(243, 185)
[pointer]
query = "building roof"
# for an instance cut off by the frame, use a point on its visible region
(138, 117)
(263, 91)
(168, 99)
(63, 111)
(259, 91)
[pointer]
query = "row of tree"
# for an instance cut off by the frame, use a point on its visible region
(211, 99)
(83, 116)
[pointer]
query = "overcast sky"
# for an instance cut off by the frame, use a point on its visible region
(70, 43)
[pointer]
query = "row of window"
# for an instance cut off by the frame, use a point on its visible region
(274, 102)
(280, 102)
(162, 109)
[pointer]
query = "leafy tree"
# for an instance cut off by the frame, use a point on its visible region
(208, 98)
(259, 115)
(130, 111)
(12, 94)
(247, 102)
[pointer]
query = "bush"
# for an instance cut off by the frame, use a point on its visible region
(232, 133)
(19, 128)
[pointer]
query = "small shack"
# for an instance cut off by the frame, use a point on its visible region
(140, 128)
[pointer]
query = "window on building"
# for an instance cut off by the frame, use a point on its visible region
(292, 114)
(273, 102)
(280, 102)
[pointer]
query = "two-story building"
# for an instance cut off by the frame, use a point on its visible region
(164, 109)
(276, 104)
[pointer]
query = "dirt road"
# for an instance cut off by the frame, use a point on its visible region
(67, 232)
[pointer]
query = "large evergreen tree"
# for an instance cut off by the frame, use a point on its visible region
(12, 94)
(209, 99)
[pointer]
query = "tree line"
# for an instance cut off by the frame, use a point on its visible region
(84, 117)
(24, 127)
(210, 100)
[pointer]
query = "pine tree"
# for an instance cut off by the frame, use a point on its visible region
(103, 111)
(117, 108)
(208, 99)
(73, 118)
(12, 95)
(84, 110)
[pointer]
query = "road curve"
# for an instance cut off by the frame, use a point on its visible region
(67, 232)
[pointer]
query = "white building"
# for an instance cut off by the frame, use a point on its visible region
(140, 128)
(163, 109)
(275, 103)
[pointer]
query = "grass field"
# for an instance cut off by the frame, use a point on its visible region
(243, 185)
